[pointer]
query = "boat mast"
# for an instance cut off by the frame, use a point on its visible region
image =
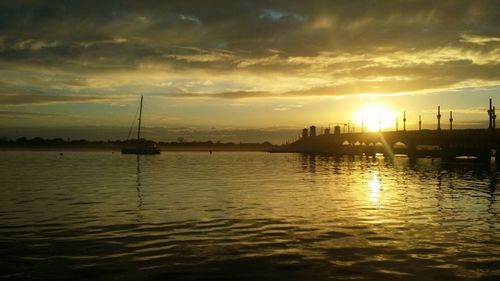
(139, 127)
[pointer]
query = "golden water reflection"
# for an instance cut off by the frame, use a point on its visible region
(283, 214)
(374, 184)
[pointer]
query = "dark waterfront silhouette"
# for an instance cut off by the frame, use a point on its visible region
(39, 143)
(447, 144)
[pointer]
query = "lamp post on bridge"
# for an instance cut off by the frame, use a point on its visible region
(439, 118)
(490, 117)
(404, 121)
(451, 120)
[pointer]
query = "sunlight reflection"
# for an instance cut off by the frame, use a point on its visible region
(374, 184)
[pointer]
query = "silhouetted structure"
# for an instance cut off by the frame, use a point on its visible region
(436, 143)
(305, 133)
(404, 121)
(312, 131)
(451, 120)
(490, 117)
(141, 147)
(336, 130)
(439, 118)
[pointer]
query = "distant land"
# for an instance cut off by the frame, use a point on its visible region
(276, 135)
(38, 143)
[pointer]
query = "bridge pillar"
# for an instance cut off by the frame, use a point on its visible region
(484, 155)
(450, 152)
(446, 152)
(388, 156)
(412, 149)
(369, 150)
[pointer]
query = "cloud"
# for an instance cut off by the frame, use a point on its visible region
(471, 110)
(478, 39)
(94, 50)
(34, 44)
(223, 95)
(286, 107)
(341, 90)
(190, 18)
(4, 113)
(34, 97)
(30, 116)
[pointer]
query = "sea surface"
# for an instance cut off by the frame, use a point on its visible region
(246, 216)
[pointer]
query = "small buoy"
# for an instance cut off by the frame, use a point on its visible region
(210, 151)
(61, 154)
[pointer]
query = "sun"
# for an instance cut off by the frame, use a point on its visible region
(374, 117)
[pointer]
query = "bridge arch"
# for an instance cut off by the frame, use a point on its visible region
(399, 144)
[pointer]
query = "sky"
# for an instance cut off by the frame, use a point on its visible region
(242, 70)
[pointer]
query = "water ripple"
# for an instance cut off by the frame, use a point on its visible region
(245, 216)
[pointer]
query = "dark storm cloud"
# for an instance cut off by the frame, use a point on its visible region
(332, 40)
(18, 97)
(4, 113)
(68, 29)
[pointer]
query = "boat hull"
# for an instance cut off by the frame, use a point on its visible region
(141, 150)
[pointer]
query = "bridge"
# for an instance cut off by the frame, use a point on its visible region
(447, 144)
(480, 143)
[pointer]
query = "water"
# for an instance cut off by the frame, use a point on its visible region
(245, 216)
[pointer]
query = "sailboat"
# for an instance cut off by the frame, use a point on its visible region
(141, 147)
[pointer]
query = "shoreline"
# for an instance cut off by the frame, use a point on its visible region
(118, 150)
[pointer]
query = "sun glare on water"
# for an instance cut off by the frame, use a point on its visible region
(375, 117)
